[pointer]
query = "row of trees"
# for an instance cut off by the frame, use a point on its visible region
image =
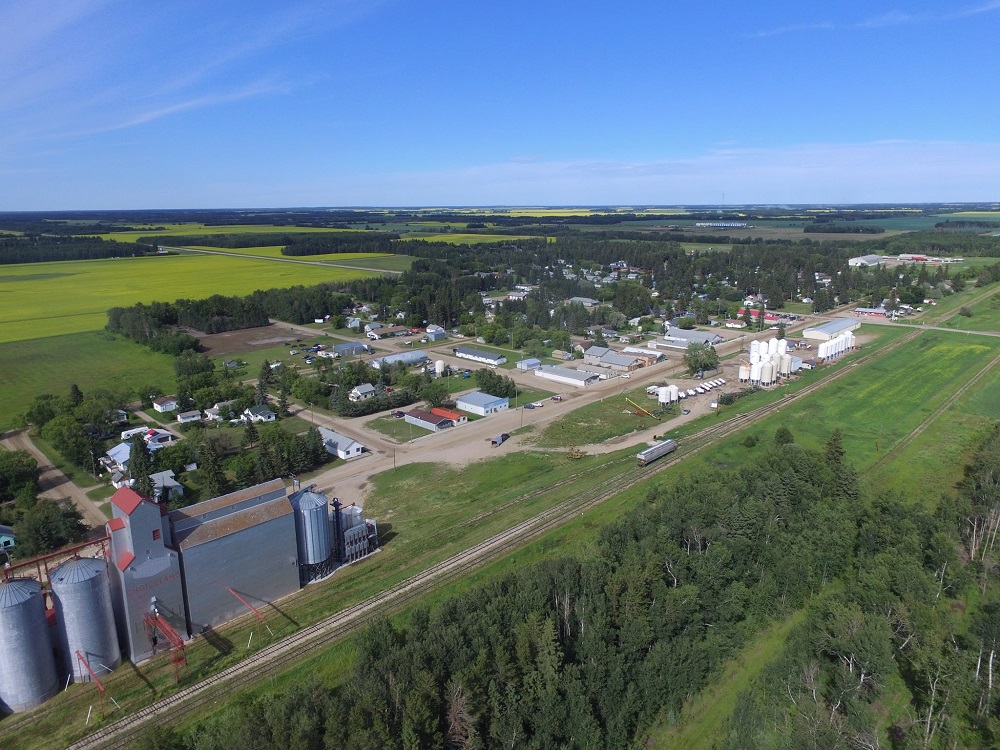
(40, 248)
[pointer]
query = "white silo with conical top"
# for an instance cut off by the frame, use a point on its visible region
(755, 373)
(782, 346)
(767, 373)
(744, 373)
(785, 367)
(754, 349)
(674, 393)
(439, 368)
(772, 346)
(27, 663)
(663, 395)
(85, 620)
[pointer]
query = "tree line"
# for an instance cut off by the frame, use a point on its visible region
(39, 248)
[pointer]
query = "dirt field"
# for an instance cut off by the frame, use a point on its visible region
(246, 340)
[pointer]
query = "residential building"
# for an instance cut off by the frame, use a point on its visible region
(481, 403)
(339, 445)
(258, 414)
(362, 392)
(164, 404)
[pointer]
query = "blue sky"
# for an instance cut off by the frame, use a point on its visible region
(114, 104)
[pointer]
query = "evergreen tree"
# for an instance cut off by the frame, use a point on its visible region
(250, 435)
(75, 396)
(140, 466)
(211, 465)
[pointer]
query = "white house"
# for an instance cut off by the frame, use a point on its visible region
(165, 404)
(362, 392)
(481, 403)
(339, 445)
(189, 416)
(258, 414)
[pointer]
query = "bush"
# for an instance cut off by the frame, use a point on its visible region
(750, 441)
(965, 312)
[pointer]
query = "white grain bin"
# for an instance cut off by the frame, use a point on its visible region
(439, 368)
(755, 373)
(754, 349)
(663, 395)
(772, 346)
(754, 358)
(767, 376)
(782, 346)
(823, 350)
(350, 517)
(785, 368)
(85, 619)
(674, 392)
(27, 666)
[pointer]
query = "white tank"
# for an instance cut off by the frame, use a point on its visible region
(85, 618)
(755, 372)
(766, 373)
(775, 360)
(439, 367)
(786, 365)
(782, 346)
(850, 340)
(27, 666)
(754, 348)
(772, 346)
(674, 392)
(754, 357)
(350, 517)
(663, 395)
(822, 351)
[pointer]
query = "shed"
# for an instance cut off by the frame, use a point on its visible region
(7, 539)
(481, 403)
(529, 364)
(427, 420)
(416, 357)
(831, 330)
(567, 375)
(339, 445)
(478, 355)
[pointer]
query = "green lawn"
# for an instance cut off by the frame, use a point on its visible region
(91, 360)
(85, 289)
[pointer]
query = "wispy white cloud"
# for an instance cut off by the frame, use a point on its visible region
(889, 19)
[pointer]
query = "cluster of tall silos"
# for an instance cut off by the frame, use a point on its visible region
(836, 347)
(35, 659)
(769, 360)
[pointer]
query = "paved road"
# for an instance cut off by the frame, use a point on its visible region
(56, 485)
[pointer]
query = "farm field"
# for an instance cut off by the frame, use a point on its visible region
(382, 262)
(985, 316)
(274, 251)
(91, 360)
(179, 230)
(876, 407)
(86, 289)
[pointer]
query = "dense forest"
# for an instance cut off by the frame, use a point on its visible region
(37, 248)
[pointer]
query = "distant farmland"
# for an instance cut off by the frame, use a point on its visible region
(50, 299)
(183, 230)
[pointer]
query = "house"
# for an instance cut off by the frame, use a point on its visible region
(532, 363)
(362, 392)
(164, 404)
(457, 418)
(165, 486)
(601, 356)
(189, 416)
(517, 296)
(587, 302)
(478, 355)
(339, 445)
(677, 338)
(116, 459)
(216, 413)
(7, 540)
(736, 324)
(353, 322)
(388, 331)
(481, 403)
(258, 414)
(427, 420)
(156, 439)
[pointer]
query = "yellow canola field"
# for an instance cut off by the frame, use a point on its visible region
(50, 299)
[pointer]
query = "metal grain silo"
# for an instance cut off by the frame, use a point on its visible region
(782, 346)
(663, 395)
(439, 368)
(27, 664)
(674, 393)
(785, 367)
(772, 346)
(822, 351)
(755, 372)
(766, 373)
(85, 620)
(744, 373)
(754, 349)
(312, 532)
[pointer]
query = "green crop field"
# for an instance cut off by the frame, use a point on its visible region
(50, 299)
(381, 262)
(876, 406)
(274, 251)
(91, 360)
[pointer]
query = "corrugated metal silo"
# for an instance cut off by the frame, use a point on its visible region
(312, 534)
(85, 618)
(785, 368)
(27, 664)
(744, 373)
(351, 516)
(822, 351)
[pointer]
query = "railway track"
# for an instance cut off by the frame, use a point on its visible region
(312, 639)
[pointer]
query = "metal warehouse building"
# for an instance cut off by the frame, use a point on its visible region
(417, 357)
(831, 330)
(478, 355)
(241, 543)
(481, 403)
(567, 376)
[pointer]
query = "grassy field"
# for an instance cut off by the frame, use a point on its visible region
(382, 262)
(274, 251)
(86, 289)
(985, 316)
(91, 360)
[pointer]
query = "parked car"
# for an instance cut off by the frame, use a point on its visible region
(685, 411)
(397, 414)
(528, 406)
(557, 398)
(538, 404)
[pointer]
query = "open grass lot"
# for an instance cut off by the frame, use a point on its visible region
(985, 316)
(179, 230)
(949, 305)
(49, 299)
(603, 420)
(877, 406)
(91, 360)
(382, 262)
